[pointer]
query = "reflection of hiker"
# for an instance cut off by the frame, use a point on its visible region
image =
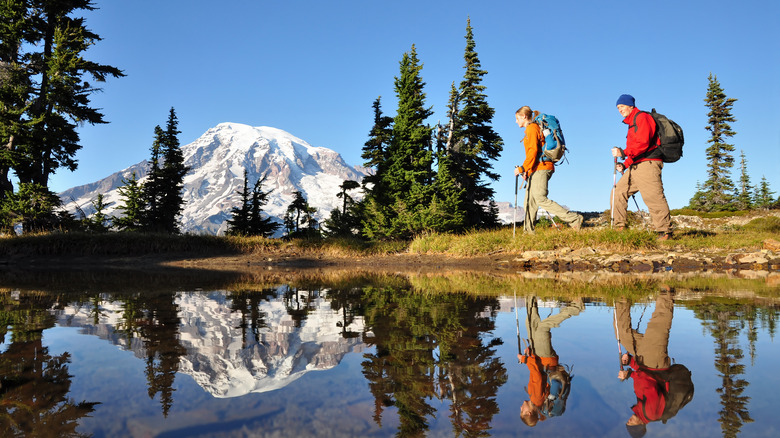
(661, 388)
(548, 381)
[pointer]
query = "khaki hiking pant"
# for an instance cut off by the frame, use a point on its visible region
(539, 330)
(643, 177)
(651, 348)
(536, 197)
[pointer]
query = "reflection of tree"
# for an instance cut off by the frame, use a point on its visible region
(299, 303)
(247, 303)
(160, 335)
(33, 384)
(348, 302)
(405, 372)
(725, 321)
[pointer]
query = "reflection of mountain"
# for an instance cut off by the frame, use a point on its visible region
(219, 358)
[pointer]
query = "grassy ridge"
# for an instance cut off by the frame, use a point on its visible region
(749, 237)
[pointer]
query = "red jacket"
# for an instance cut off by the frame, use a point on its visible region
(641, 137)
(650, 402)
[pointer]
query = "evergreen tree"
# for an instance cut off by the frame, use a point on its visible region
(133, 205)
(474, 144)
(717, 190)
(238, 224)
(299, 219)
(763, 194)
(744, 197)
(396, 206)
(379, 138)
(153, 186)
(166, 179)
(97, 223)
(259, 225)
(344, 222)
(32, 206)
(45, 92)
(44, 89)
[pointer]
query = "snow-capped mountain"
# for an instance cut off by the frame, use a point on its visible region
(217, 161)
(221, 358)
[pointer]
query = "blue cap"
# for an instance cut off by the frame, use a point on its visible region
(625, 99)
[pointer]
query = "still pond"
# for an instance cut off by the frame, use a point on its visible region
(384, 356)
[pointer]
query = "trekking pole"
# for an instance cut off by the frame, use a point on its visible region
(514, 217)
(557, 227)
(617, 336)
(614, 188)
(517, 322)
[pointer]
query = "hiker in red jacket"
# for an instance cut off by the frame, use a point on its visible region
(641, 169)
(646, 352)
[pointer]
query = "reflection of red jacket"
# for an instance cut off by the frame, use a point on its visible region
(650, 402)
(639, 137)
(538, 388)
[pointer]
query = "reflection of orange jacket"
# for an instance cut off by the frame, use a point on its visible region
(538, 388)
(533, 143)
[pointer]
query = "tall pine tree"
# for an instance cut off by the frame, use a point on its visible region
(45, 86)
(163, 189)
(475, 145)
(378, 140)
(406, 185)
(717, 191)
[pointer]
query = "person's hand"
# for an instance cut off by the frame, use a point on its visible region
(618, 153)
(518, 171)
(623, 374)
(620, 167)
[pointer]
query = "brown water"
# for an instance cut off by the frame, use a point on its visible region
(374, 356)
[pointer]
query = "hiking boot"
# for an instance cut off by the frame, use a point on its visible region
(576, 224)
(620, 228)
(664, 236)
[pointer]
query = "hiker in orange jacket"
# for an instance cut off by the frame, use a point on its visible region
(536, 173)
(540, 356)
(641, 169)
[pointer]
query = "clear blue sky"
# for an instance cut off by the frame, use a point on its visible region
(313, 68)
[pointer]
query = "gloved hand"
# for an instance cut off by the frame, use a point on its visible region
(618, 153)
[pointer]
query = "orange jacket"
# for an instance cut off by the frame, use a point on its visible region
(533, 143)
(538, 388)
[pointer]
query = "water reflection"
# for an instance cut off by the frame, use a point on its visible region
(661, 388)
(549, 381)
(384, 356)
(34, 384)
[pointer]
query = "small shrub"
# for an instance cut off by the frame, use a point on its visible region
(769, 224)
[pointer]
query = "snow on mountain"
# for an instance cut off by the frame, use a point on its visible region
(217, 161)
(221, 358)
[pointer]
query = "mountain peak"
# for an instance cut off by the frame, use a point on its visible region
(217, 160)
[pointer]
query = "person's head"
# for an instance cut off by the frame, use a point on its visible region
(529, 413)
(524, 116)
(625, 104)
(636, 427)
